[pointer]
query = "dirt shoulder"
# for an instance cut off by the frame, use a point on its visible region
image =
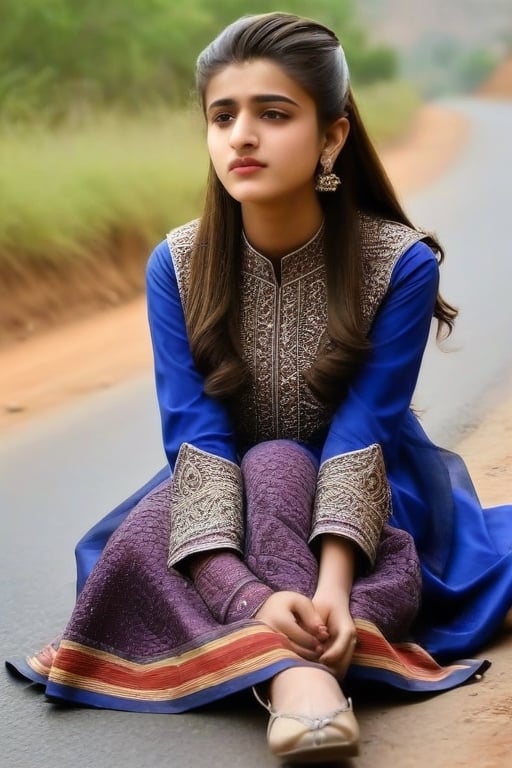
(499, 84)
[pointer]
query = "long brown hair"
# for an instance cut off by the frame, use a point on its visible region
(310, 54)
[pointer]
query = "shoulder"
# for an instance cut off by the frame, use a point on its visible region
(181, 241)
(176, 247)
(383, 240)
(418, 264)
(391, 248)
(170, 259)
(396, 249)
(390, 252)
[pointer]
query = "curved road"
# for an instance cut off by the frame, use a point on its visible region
(60, 474)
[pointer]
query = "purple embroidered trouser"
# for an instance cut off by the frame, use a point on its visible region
(280, 481)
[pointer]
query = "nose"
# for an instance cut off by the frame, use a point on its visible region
(243, 132)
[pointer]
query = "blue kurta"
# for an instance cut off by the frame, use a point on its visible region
(465, 551)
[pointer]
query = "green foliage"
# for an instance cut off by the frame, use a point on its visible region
(443, 65)
(62, 58)
(387, 109)
(370, 64)
(474, 67)
(63, 192)
(59, 54)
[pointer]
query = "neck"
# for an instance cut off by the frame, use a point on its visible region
(275, 231)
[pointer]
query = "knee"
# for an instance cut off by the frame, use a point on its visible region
(277, 460)
(279, 479)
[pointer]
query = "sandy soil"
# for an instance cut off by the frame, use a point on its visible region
(466, 727)
(499, 84)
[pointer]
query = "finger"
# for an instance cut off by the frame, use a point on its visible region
(340, 647)
(343, 644)
(339, 655)
(300, 636)
(308, 616)
(304, 653)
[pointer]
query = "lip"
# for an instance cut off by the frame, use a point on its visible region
(246, 164)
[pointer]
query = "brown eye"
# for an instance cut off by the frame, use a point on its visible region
(274, 114)
(223, 117)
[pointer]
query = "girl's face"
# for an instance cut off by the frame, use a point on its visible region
(263, 134)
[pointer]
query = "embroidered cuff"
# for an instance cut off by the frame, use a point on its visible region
(206, 504)
(229, 589)
(353, 498)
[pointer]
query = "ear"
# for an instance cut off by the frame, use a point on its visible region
(334, 138)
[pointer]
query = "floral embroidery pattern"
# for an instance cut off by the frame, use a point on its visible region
(284, 326)
(206, 504)
(382, 242)
(353, 498)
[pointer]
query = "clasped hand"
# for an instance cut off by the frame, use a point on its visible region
(320, 629)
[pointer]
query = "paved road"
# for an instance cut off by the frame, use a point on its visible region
(470, 209)
(60, 474)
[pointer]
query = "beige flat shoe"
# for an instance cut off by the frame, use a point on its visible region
(301, 739)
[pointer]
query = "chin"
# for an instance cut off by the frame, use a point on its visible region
(256, 197)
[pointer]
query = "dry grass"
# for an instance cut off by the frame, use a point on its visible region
(81, 206)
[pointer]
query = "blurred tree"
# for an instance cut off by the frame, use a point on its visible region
(100, 51)
(474, 67)
(58, 57)
(367, 63)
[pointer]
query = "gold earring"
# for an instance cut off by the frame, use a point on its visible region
(326, 181)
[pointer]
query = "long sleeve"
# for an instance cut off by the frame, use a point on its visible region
(353, 497)
(206, 509)
(229, 589)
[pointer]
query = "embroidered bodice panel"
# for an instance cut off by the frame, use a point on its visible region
(284, 324)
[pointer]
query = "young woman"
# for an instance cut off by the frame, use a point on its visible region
(305, 527)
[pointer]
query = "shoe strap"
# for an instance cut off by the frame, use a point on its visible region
(313, 723)
(266, 705)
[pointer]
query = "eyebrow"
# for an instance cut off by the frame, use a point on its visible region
(263, 98)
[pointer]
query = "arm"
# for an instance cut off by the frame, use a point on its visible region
(381, 394)
(353, 497)
(331, 600)
(188, 415)
(206, 491)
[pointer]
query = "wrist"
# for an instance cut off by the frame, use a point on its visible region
(337, 564)
(332, 593)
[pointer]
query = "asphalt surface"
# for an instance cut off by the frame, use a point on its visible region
(59, 474)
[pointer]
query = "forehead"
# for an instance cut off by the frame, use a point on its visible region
(249, 79)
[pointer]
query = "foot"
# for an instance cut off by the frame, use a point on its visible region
(306, 691)
(310, 718)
